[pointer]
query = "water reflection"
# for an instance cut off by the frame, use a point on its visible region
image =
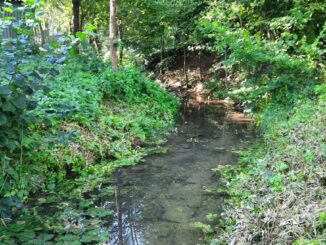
(157, 202)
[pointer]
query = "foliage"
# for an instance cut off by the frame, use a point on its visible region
(76, 98)
(23, 71)
(90, 133)
(272, 62)
(147, 31)
(71, 220)
(62, 122)
(277, 193)
(67, 121)
(264, 49)
(168, 23)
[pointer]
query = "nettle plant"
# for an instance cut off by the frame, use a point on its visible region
(22, 72)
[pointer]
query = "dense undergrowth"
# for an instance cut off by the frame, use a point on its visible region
(90, 131)
(277, 190)
(67, 122)
(92, 123)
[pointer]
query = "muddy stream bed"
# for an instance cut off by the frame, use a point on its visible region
(158, 201)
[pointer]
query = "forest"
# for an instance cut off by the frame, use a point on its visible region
(163, 122)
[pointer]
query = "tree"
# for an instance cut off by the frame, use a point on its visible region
(113, 54)
(75, 12)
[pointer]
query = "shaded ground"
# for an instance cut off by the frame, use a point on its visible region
(187, 74)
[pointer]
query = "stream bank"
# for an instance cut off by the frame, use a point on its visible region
(155, 202)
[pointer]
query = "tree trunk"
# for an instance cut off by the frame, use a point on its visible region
(200, 68)
(81, 20)
(121, 49)
(97, 40)
(75, 11)
(185, 69)
(162, 71)
(113, 53)
(42, 34)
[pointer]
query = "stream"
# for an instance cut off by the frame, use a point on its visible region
(157, 202)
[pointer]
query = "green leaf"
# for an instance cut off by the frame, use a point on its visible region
(4, 90)
(214, 242)
(29, 2)
(3, 119)
(68, 239)
(90, 27)
(26, 236)
(85, 44)
(3, 141)
(46, 237)
(8, 107)
(20, 101)
(12, 172)
(8, 10)
(81, 35)
(90, 236)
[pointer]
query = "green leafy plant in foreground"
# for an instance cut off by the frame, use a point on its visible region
(22, 74)
(66, 125)
(86, 132)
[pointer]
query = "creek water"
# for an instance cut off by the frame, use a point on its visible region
(158, 202)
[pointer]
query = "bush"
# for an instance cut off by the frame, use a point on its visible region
(22, 74)
(268, 60)
(90, 132)
(63, 112)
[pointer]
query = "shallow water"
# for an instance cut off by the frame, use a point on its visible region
(158, 201)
